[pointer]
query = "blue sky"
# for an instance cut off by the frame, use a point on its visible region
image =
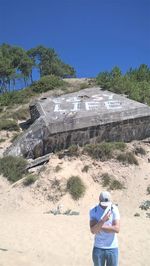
(91, 35)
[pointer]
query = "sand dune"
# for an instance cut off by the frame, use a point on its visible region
(30, 236)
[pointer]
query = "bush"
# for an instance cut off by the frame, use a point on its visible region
(57, 168)
(76, 187)
(83, 86)
(47, 83)
(2, 140)
(73, 150)
(104, 150)
(30, 179)
(85, 168)
(105, 179)
(110, 182)
(139, 150)
(148, 190)
(13, 168)
(127, 157)
(21, 114)
(10, 125)
(115, 184)
(15, 97)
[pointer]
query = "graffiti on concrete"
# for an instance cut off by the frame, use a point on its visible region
(93, 104)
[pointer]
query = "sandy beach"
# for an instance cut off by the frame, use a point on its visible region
(30, 235)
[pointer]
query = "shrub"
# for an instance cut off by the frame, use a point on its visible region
(110, 182)
(127, 157)
(15, 97)
(21, 114)
(73, 150)
(10, 125)
(47, 83)
(13, 168)
(85, 168)
(30, 179)
(2, 140)
(119, 145)
(76, 187)
(139, 150)
(148, 190)
(115, 184)
(105, 179)
(57, 168)
(104, 150)
(83, 86)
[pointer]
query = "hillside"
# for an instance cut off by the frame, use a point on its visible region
(32, 235)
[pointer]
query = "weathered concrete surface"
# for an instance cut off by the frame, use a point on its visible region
(90, 115)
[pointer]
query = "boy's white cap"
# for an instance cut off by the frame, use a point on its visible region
(105, 198)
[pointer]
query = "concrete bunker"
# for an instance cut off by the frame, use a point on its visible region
(87, 116)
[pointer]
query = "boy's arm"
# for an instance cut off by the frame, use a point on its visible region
(114, 228)
(97, 226)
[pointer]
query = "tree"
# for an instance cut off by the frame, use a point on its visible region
(14, 64)
(48, 62)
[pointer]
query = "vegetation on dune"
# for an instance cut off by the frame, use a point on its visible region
(139, 150)
(73, 150)
(30, 179)
(47, 83)
(104, 150)
(85, 169)
(110, 182)
(8, 124)
(135, 83)
(13, 168)
(148, 190)
(58, 168)
(128, 158)
(76, 187)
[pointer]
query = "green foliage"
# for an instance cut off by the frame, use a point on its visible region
(10, 125)
(76, 187)
(84, 86)
(104, 150)
(47, 83)
(2, 140)
(128, 158)
(105, 179)
(85, 168)
(16, 97)
(73, 150)
(148, 190)
(17, 64)
(139, 150)
(58, 168)
(14, 64)
(48, 62)
(21, 114)
(13, 168)
(116, 185)
(110, 182)
(30, 179)
(135, 83)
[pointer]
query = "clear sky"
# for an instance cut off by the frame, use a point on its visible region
(91, 35)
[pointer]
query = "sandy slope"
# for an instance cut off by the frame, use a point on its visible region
(33, 237)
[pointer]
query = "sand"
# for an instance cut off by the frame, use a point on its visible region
(29, 235)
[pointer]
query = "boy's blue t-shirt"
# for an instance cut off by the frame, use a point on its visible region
(103, 239)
